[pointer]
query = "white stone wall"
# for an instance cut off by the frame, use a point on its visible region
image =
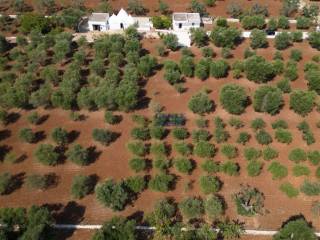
(103, 26)
(185, 25)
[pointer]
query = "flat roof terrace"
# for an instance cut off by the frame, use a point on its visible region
(186, 17)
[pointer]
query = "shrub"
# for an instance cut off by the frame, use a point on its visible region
(279, 124)
(3, 116)
(307, 135)
(283, 22)
(249, 201)
(318, 172)
(251, 22)
(34, 118)
(283, 136)
(297, 155)
(200, 103)
(314, 157)
(105, 137)
(296, 55)
(180, 133)
(298, 227)
(202, 69)
(183, 165)
(258, 39)
(289, 190)
(263, 137)
(214, 206)
(81, 186)
(198, 7)
(258, 124)
(310, 188)
(137, 148)
(254, 168)
(234, 9)
(117, 227)
(315, 208)
(236, 123)
(272, 24)
(161, 182)
(158, 149)
(112, 194)
(243, 138)
(230, 168)
(226, 53)
(297, 36)
(46, 154)
(136, 183)
(277, 170)
(161, 22)
(183, 148)
(78, 155)
(258, 69)
(229, 151)
(158, 132)
(251, 153)
(303, 22)
(209, 184)
(278, 66)
(207, 52)
(225, 37)
(136, 7)
(269, 153)
(199, 37)
(233, 98)
(314, 40)
(291, 71)
(204, 149)
(284, 86)
(267, 99)
(5, 182)
(302, 102)
(38, 182)
(210, 166)
(162, 163)
(140, 133)
(171, 41)
(137, 164)
(191, 208)
(300, 170)
(26, 135)
(110, 118)
(59, 136)
(201, 123)
(200, 135)
(187, 66)
(219, 69)
(282, 41)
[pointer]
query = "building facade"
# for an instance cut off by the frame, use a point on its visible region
(185, 21)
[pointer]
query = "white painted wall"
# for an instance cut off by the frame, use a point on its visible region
(103, 25)
(186, 26)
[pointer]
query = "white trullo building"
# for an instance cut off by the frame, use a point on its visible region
(122, 20)
(185, 21)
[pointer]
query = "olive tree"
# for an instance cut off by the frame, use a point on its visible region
(302, 102)
(233, 98)
(267, 99)
(200, 103)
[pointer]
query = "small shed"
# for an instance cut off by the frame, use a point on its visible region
(122, 20)
(185, 21)
(98, 22)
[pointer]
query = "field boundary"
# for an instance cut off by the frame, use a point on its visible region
(146, 228)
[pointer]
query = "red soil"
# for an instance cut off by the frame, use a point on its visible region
(113, 160)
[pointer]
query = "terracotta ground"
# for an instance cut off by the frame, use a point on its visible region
(113, 160)
(220, 9)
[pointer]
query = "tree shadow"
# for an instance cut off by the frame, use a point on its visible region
(52, 180)
(73, 135)
(21, 158)
(16, 182)
(39, 136)
(42, 119)
(93, 154)
(13, 117)
(4, 149)
(4, 134)
(94, 178)
(72, 213)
